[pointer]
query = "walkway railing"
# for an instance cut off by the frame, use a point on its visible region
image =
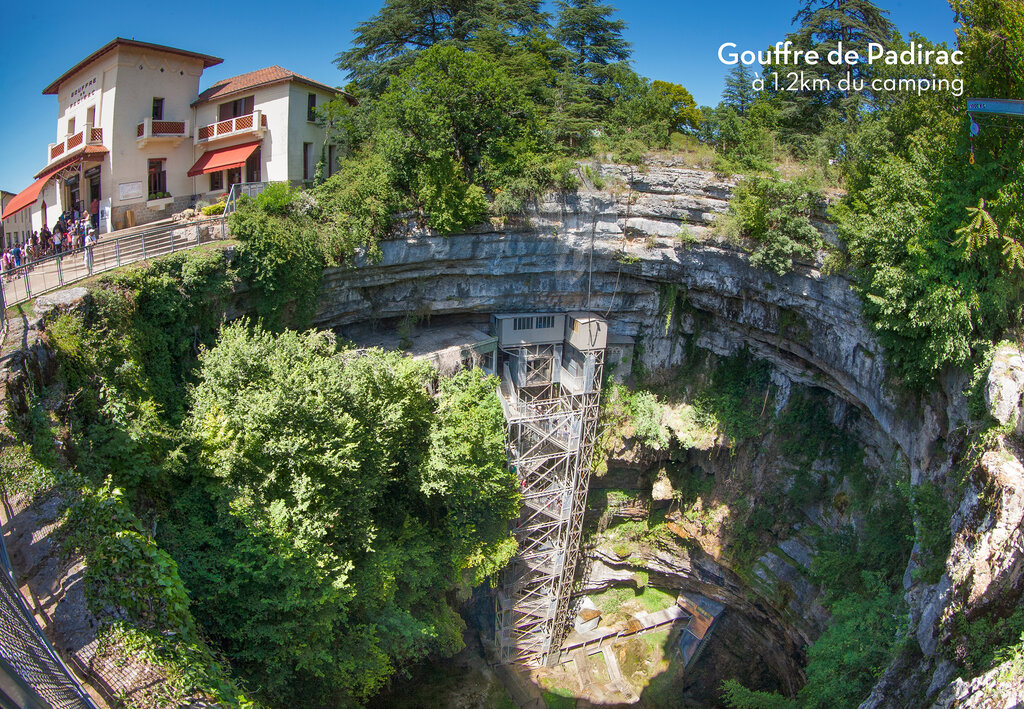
(56, 271)
(240, 189)
(32, 675)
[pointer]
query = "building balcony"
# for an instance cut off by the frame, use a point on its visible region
(163, 132)
(74, 143)
(251, 124)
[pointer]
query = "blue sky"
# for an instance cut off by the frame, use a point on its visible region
(673, 41)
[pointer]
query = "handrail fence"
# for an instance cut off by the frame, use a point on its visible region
(242, 189)
(32, 675)
(61, 269)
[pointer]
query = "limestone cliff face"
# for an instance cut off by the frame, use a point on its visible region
(612, 253)
(617, 252)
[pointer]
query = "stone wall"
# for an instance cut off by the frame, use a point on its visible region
(145, 215)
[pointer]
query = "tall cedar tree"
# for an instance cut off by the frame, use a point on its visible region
(823, 24)
(593, 39)
(739, 92)
(595, 48)
(389, 41)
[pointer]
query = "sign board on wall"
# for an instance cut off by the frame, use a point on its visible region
(130, 190)
(104, 226)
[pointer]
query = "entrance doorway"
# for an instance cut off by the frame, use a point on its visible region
(74, 192)
(92, 175)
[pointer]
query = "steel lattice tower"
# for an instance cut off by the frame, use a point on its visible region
(550, 394)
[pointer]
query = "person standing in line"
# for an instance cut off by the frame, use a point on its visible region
(90, 239)
(94, 212)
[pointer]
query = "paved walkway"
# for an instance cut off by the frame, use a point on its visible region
(112, 250)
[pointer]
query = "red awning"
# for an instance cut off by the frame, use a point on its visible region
(28, 196)
(223, 158)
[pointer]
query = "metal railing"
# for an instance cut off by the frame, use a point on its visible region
(31, 673)
(240, 189)
(52, 272)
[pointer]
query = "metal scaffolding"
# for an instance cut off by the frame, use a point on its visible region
(550, 394)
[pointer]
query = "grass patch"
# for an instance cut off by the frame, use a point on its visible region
(612, 600)
(25, 310)
(23, 474)
(651, 599)
(655, 600)
(559, 698)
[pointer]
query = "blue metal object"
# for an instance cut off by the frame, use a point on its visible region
(1002, 106)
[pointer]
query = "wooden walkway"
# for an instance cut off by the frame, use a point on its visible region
(594, 641)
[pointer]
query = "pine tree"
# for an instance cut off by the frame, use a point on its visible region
(823, 24)
(855, 23)
(389, 41)
(593, 39)
(739, 92)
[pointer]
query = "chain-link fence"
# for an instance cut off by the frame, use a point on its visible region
(32, 676)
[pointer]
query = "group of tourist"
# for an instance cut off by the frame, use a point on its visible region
(73, 230)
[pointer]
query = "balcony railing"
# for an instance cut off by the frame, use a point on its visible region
(254, 122)
(87, 136)
(153, 130)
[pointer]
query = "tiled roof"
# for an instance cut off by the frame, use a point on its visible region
(260, 77)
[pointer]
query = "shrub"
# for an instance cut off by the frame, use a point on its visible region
(931, 514)
(647, 412)
(276, 198)
(281, 259)
(775, 215)
(358, 206)
(214, 209)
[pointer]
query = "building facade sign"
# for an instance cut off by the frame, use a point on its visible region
(81, 93)
(130, 190)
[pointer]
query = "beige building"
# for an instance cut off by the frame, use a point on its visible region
(16, 228)
(257, 127)
(135, 135)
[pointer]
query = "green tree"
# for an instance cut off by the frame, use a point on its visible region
(776, 215)
(281, 258)
(593, 39)
(685, 116)
(334, 506)
(466, 469)
(739, 94)
(389, 41)
(445, 124)
(823, 26)
(855, 23)
(934, 298)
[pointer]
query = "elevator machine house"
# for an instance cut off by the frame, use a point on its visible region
(550, 366)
